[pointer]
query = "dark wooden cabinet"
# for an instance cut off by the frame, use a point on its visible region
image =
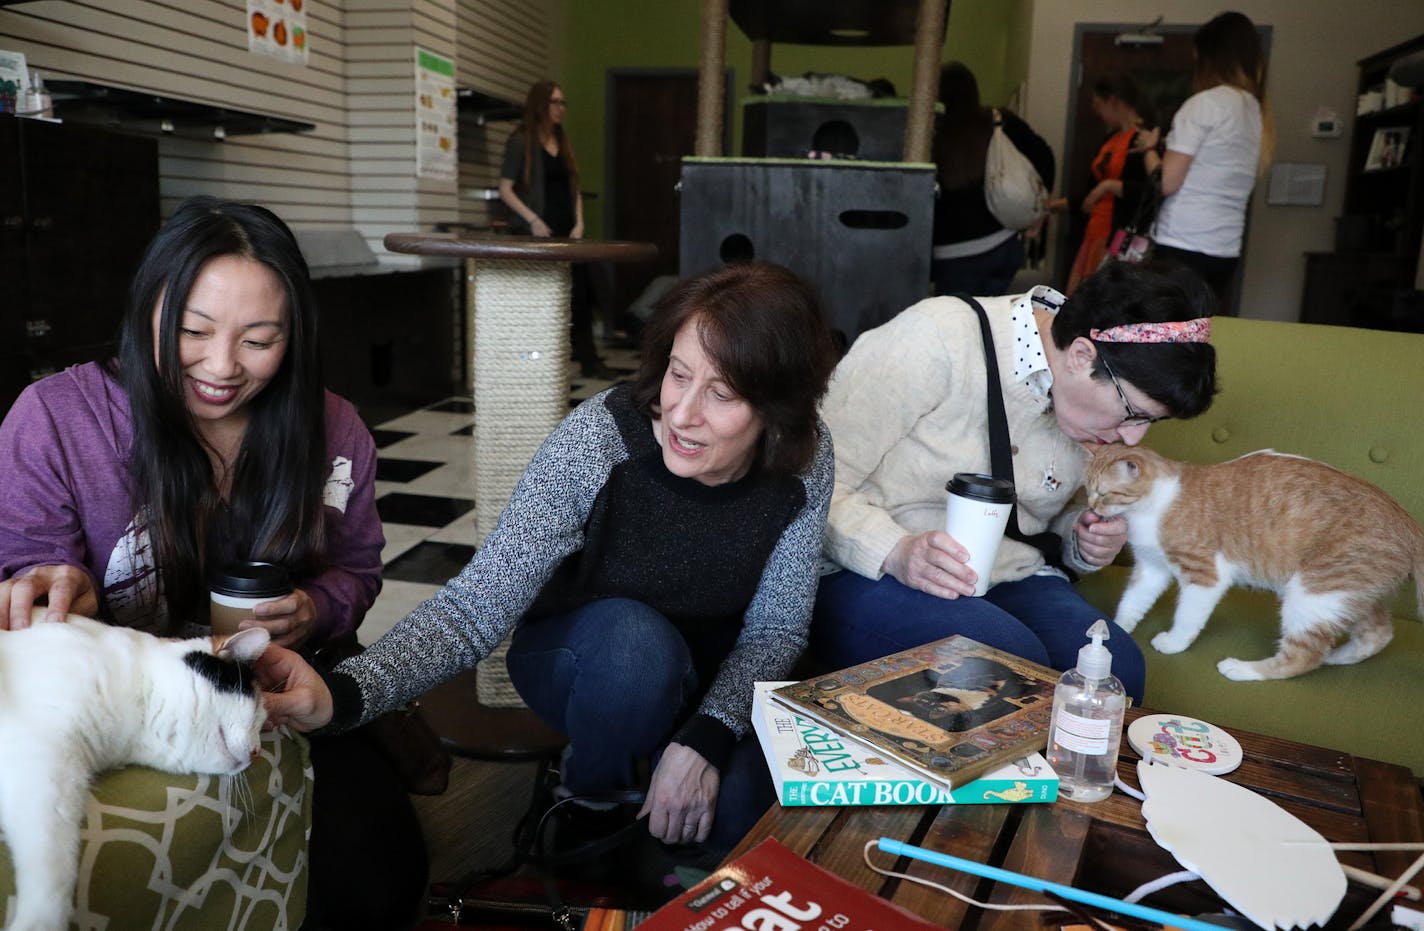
(1368, 280)
(388, 337)
(78, 205)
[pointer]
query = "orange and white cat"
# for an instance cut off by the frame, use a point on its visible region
(1332, 546)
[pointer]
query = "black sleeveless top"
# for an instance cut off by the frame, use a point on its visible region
(558, 198)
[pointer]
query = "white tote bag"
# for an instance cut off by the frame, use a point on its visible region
(1012, 188)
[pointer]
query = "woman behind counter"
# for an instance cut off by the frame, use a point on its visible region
(657, 558)
(208, 439)
(539, 183)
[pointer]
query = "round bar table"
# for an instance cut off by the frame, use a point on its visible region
(517, 319)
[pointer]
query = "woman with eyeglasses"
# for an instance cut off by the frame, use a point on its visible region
(909, 407)
(539, 183)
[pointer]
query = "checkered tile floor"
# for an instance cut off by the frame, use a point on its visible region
(425, 480)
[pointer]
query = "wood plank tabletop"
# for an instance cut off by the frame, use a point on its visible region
(522, 248)
(1105, 846)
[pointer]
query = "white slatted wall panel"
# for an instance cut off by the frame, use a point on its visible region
(504, 46)
(382, 36)
(197, 50)
(357, 168)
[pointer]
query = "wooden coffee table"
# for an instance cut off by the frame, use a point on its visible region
(1105, 847)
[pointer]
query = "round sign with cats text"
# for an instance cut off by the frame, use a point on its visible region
(1184, 742)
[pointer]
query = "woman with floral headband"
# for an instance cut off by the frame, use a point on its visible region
(909, 407)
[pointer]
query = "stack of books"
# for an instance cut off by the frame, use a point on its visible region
(953, 721)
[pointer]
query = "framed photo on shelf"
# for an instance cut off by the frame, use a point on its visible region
(14, 80)
(1387, 148)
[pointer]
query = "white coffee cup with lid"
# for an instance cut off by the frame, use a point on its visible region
(975, 515)
(236, 588)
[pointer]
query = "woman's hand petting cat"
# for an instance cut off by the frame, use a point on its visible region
(932, 562)
(1099, 538)
(65, 589)
(682, 796)
(292, 691)
(290, 620)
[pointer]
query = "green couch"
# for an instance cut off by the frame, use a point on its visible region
(1342, 396)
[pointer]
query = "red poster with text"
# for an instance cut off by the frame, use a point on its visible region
(771, 887)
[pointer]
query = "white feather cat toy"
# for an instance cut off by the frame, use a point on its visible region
(81, 697)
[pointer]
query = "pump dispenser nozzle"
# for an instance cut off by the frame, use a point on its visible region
(1094, 660)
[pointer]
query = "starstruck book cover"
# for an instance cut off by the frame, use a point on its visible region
(813, 765)
(949, 711)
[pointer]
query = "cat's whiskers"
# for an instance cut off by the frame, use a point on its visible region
(238, 792)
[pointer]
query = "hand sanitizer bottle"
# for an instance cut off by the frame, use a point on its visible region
(1086, 729)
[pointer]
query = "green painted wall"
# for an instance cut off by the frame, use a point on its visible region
(988, 35)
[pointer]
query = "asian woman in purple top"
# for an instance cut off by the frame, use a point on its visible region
(209, 438)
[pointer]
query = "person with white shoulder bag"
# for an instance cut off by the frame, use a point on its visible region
(994, 175)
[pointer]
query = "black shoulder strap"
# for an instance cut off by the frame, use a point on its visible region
(1000, 455)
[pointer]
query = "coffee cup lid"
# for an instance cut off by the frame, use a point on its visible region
(981, 487)
(251, 579)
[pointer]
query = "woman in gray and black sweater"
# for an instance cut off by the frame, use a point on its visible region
(659, 555)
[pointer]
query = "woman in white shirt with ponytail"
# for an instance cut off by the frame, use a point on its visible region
(1220, 141)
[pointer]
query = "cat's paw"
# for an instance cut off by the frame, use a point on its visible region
(1239, 670)
(1167, 642)
(1128, 624)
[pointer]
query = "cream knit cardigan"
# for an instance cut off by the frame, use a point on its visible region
(907, 408)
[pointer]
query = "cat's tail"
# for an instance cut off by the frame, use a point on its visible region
(1419, 569)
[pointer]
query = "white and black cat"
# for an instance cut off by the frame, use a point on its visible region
(1334, 547)
(81, 697)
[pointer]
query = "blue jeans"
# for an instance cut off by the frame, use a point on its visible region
(1041, 618)
(984, 275)
(619, 679)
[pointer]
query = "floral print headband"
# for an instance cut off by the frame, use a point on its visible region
(1172, 331)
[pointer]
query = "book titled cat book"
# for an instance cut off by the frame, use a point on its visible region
(768, 887)
(813, 765)
(949, 711)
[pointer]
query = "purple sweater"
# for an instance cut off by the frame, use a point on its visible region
(64, 450)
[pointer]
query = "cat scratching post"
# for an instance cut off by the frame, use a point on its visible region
(518, 305)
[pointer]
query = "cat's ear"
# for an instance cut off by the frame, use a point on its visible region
(1131, 466)
(244, 645)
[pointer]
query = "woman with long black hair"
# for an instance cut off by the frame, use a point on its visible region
(973, 252)
(209, 439)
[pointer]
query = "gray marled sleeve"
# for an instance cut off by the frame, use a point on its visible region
(778, 620)
(541, 525)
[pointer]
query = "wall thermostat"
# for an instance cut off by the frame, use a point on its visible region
(1326, 125)
(1326, 128)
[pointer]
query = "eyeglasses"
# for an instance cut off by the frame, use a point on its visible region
(1134, 418)
(558, 102)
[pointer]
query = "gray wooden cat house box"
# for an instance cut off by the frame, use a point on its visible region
(860, 230)
(870, 129)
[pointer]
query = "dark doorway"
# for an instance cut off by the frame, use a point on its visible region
(651, 125)
(1163, 70)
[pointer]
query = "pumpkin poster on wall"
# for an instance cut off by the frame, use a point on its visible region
(278, 29)
(435, 117)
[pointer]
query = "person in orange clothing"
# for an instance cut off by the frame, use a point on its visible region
(1119, 170)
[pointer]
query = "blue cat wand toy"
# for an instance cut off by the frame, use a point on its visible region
(1043, 885)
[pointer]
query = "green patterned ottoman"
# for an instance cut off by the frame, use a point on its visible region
(159, 851)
